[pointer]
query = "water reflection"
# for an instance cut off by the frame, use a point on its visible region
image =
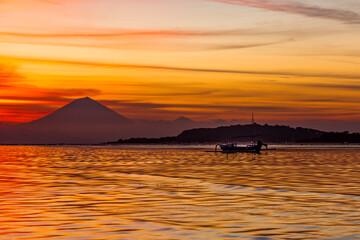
(175, 193)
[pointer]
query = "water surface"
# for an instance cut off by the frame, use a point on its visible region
(179, 193)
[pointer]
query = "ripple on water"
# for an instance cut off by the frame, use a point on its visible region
(178, 193)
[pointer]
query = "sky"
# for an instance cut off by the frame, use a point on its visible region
(291, 62)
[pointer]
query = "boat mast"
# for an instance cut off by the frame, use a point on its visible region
(253, 126)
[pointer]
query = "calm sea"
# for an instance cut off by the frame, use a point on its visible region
(179, 193)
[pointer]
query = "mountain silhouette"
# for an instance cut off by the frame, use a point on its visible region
(183, 120)
(82, 121)
(82, 111)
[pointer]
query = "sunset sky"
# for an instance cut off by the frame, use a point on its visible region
(287, 61)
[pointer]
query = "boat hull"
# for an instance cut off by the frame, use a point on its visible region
(234, 148)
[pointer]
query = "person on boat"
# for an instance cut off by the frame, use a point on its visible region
(259, 143)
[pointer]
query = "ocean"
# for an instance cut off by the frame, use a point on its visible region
(179, 192)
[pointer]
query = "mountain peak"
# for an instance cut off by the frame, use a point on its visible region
(84, 100)
(183, 120)
(83, 111)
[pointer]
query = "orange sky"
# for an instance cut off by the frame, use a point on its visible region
(161, 59)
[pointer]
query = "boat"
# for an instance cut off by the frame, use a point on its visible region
(233, 147)
(250, 148)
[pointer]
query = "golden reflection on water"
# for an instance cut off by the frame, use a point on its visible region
(178, 193)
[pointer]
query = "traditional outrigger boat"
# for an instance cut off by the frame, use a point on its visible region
(250, 148)
(233, 147)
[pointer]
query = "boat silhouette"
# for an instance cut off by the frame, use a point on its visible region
(233, 147)
(251, 147)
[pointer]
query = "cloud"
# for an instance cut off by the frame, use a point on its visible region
(141, 110)
(147, 39)
(149, 105)
(318, 100)
(351, 87)
(33, 93)
(8, 74)
(299, 8)
(187, 69)
(241, 46)
(101, 33)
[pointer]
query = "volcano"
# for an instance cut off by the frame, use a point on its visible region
(82, 121)
(82, 111)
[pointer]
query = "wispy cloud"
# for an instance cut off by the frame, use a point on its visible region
(143, 39)
(188, 69)
(347, 87)
(8, 74)
(128, 108)
(30, 93)
(242, 46)
(300, 9)
(101, 33)
(149, 105)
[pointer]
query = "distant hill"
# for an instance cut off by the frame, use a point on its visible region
(184, 120)
(267, 133)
